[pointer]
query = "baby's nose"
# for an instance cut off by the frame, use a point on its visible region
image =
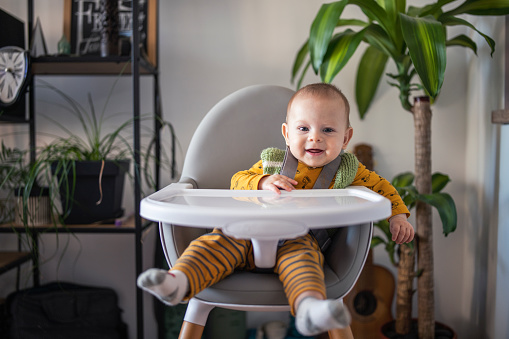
(314, 136)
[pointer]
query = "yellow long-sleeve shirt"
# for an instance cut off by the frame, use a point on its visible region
(306, 177)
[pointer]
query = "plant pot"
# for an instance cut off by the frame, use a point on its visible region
(96, 197)
(38, 207)
(442, 331)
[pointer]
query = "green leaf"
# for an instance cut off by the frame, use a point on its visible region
(446, 208)
(377, 37)
(341, 49)
(370, 71)
(376, 240)
(376, 13)
(304, 71)
(384, 226)
(425, 38)
(409, 197)
(464, 41)
(453, 21)
(482, 7)
(321, 31)
(431, 9)
(351, 22)
(439, 181)
(391, 251)
(392, 9)
(299, 59)
(403, 179)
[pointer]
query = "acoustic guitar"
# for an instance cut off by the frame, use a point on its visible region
(370, 300)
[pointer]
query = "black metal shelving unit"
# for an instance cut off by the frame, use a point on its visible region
(107, 66)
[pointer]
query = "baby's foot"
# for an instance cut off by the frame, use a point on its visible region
(315, 316)
(169, 287)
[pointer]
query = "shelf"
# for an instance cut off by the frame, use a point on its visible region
(9, 260)
(13, 120)
(127, 227)
(87, 65)
(142, 61)
(500, 116)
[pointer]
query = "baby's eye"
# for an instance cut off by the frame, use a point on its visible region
(328, 130)
(303, 129)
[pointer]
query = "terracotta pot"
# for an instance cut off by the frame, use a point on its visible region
(442, 331)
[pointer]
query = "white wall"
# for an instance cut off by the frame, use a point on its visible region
(500, 306)
(485, 90)
(489, 181)
(209, 49)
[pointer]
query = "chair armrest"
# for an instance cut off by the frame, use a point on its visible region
(187, 180)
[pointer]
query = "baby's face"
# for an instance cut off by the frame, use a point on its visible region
(317, 129)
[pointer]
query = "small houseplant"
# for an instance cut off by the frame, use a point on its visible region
(24, 200)
(415, 39)
(89, 172)
(101, 158)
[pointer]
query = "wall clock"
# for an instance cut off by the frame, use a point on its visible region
(14, 65)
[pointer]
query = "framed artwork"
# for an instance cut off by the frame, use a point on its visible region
(83, 31)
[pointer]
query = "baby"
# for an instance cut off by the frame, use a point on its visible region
(317, 131)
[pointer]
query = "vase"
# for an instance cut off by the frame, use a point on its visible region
(109, 27)
(34, 210)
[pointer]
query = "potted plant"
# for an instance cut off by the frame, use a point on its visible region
(415, 39)
(24, 200)
(446, 208)
(88, 172)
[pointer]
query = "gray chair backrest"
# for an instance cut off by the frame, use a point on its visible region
(229, 139)
(232, 135)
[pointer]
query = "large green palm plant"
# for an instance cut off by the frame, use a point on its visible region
(415, 39)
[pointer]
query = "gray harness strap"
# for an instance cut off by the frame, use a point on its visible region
(328, 172)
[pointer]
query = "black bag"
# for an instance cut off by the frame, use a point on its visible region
(65, 311)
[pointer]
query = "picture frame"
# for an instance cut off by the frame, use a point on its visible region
(83, 32)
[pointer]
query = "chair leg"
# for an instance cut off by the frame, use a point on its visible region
(195, 319)
(344, 333)
(191, 331)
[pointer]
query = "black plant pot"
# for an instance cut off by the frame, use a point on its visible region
(96, 197)
(442, 331)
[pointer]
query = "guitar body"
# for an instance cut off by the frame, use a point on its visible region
(370, 301)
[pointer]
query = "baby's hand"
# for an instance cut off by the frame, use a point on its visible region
(276, 182)
(402, 231)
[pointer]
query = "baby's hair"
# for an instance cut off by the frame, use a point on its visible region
(324, 90)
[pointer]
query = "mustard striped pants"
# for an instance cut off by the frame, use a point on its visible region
(213, 256)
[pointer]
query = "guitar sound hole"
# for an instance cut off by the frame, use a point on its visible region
(365, 303)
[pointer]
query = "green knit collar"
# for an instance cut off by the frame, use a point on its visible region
(272, 161)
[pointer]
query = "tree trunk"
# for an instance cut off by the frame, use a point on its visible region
(425, 291)
(404, 290)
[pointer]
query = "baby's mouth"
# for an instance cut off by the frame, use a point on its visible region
(314, 151)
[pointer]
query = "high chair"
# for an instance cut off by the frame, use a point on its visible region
(229, 139)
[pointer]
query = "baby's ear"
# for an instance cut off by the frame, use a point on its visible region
(348, 137)
(284, 131)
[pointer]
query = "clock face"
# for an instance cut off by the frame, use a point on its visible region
(13, 74)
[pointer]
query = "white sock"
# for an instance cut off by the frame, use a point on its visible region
(315, 316)
(169, 287)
